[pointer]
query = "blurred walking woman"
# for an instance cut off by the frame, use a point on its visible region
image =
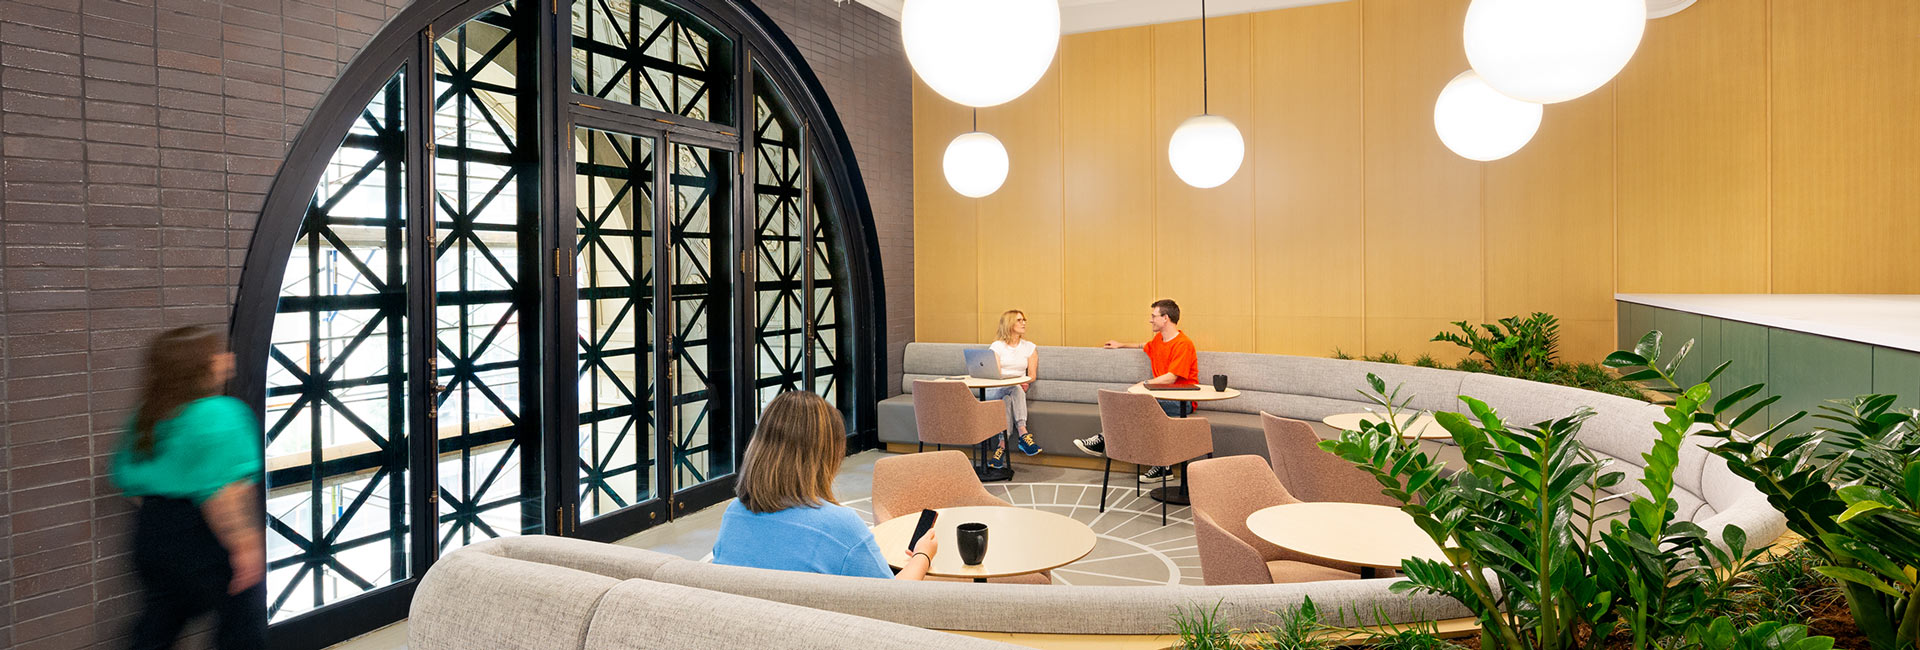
(189, 460)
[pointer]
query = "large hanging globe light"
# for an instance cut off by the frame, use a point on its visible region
(980, 53)
(1548, 51)
(1206, 150)
(976, 164)
(1479, 123)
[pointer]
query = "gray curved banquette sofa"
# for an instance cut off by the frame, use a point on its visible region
(1062, 407)
(557, 593)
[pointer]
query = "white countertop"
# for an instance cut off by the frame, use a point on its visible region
(1891, 321)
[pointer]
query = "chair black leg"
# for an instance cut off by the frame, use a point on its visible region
(1103, 484)
(923, 447)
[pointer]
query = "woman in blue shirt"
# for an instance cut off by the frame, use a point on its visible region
(786, 517)
(190, 460)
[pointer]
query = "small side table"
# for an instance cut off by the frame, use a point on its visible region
(1019, 541)
(1374, 537)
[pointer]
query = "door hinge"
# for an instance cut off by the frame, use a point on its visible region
(746, 262)
(563, 261)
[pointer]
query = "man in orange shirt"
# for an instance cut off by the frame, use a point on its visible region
(1174, 362)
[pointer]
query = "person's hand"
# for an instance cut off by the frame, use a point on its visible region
(1028, 386)
(249, 566)
(1112, 345)
(928, 544)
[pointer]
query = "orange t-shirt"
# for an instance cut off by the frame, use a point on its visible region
(1176, 356)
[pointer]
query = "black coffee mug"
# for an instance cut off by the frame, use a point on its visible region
(1220, 383)
(973, 542)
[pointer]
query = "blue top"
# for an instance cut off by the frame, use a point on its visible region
(207, 445)
(828, 539)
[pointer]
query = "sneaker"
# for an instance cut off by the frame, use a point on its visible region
(1028, 445)
(1095, 445)
(997, 459)
(1155, 474)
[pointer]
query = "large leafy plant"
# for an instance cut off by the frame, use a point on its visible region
(1512, 347)
(1851, 488)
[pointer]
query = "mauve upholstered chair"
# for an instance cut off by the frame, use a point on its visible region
(1137, 431)
(946, 413)
(909, 483)
(1312, 474)
(1224, 492)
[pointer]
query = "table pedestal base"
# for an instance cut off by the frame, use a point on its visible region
(1174, 494)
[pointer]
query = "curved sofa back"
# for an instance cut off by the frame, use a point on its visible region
(1042, 609)
(1311, 388)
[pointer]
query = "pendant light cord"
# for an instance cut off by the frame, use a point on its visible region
(1203, 57)
(976, 119)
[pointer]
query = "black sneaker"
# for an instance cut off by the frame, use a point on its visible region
(1095, 445)
(1155, 474)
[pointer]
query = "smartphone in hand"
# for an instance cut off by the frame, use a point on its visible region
(920, 530)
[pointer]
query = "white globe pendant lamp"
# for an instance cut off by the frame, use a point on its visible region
(980, 53)
(1480, 123)
(1206, 151)
(975, 164)
(1550, 51)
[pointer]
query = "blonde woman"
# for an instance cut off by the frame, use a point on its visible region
(1018, 356)
(786, 517)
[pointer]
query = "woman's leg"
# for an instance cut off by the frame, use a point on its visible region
(243, 619)
(1000, 441)
(1017, 411)
(179, 574)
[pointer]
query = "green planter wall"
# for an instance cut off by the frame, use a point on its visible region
(1804, 369)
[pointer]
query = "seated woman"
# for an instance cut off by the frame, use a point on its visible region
(786, 517)
(1017, 356)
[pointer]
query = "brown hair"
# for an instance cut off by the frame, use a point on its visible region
(1169, 309)
(1006, 323)
(794, 454)
(179, 371)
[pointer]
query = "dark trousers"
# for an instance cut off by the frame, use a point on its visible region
(185, 571)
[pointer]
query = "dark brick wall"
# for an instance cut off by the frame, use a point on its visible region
(137, 141)
(856, 52)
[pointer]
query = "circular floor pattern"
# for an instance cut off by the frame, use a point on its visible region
(1133, 549)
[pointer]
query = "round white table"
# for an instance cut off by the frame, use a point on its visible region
(1374, 537)
(1019, 541)
(1423, 427)
(1177, 494)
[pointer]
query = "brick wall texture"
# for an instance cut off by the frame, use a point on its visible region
(137, 141)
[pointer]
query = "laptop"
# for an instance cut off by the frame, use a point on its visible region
(983, 363)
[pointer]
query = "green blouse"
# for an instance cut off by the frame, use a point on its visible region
(211, 443)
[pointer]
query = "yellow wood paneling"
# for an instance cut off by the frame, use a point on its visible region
(1020, 226)
(1110, 154)
(1846, 146)
(1308, 179)
(1549, 221)
(945, 255)
(1204, 237)
(1423, 203)
(1692, 143)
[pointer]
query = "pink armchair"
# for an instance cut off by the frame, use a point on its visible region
(1138, 432)
(946, 413)
(1315, 475)
(1224, 492)
(904, 485)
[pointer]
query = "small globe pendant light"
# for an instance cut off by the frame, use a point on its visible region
(975, 163)
(1207, 149)
(1479, 123)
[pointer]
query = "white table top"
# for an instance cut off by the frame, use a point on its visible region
(1019, 541)
(1205, 394)
(1354, 533)
(1423, 427)
(976, 382)
(1891, 321)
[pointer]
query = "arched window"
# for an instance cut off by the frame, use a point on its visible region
(534, 271)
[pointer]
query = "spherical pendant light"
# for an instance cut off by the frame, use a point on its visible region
(1479, 123)
(976, 164)
(1548, 51)
(1206, 150)
(980, 53)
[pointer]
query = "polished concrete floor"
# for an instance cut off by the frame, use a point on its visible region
(1133, 549)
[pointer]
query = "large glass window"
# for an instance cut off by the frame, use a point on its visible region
(517, 305)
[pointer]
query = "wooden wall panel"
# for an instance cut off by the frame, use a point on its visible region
(1204, 237)
(945, 253)
(1693, 153)
(1107, 86)
(1309, 180)
(1020, 225)
(1846, 146)
(1549, 226)
(1423, 217)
